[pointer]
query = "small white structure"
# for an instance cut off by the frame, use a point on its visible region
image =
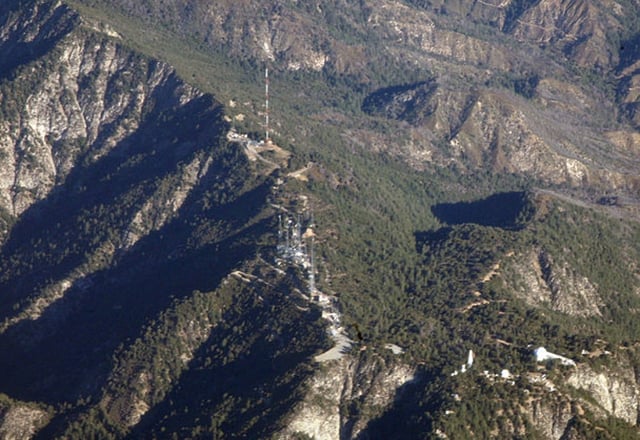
(469, 364)
(506, 374)
(395, 349)
(542, 355)
(465, 367)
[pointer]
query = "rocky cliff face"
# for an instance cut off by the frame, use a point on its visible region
(89, 104)
(102, 147)
(76, 105)
(541, 281)
(547, 125)
(344, 395)
(584, 31)
(20, 421)
(613, 392)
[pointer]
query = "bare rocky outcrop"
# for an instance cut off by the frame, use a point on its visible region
(580, 28)
(21, 421)
(344, 395)
(294, 37)
(551, 416)
(551, 131)
(615, 391)
(506, 132)
(541, 281)
(81, 109)
(87, 99)
(612, 392)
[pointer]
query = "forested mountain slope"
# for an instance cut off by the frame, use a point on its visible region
(540, 88)
(444, 178)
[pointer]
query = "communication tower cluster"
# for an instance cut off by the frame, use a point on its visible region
(295, 246)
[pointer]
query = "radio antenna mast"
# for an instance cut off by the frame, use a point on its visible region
(312, 270)
(266, 106)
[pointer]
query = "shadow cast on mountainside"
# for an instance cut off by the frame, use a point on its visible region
(74, 340)
(407, 102)
(67, 352)
(409, 407)
(242, 382)
(15, 52)
(99, 200)
(629, 52)
(508, 210)
(423, 238)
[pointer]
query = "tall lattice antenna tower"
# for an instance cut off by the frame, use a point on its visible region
(312, 270)
(266, 105)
